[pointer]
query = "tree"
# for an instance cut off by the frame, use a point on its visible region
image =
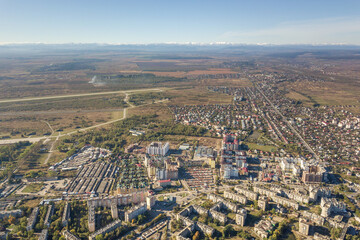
(335, 233)
(11, 219)
(196, 236)
(99, 237)
(228, 231)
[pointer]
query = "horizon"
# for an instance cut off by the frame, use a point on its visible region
(160, 22)
(179, 43)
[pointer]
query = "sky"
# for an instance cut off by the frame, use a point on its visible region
(180, 21)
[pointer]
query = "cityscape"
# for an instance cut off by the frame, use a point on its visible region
(180, 121)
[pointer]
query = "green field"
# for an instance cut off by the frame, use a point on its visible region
(266, 148)
(33, 188)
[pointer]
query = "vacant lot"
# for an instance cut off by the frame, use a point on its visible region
(33, 188)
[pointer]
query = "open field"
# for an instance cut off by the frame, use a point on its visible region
(75, 103)
(330, 93)
(33, 188)
(52, 96)
(265, 148)
(196, 95)
(37, 117)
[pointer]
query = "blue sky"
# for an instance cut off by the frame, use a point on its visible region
(155, 21)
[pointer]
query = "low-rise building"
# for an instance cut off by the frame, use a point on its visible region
(264, 227)
(229, 205)
(236, 197)
(183, 216)
(216, 214)
(264, 191)
(200, 210)
(247, 193)
(286, 202)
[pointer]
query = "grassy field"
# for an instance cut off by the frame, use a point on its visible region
(33, 188)
(328, 93)
(112, 101)
(35, 125)
(196, 95)
(31, 203)
(266, 148)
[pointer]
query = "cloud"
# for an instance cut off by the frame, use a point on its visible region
(320, 31)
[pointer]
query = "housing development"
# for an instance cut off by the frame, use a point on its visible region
(194, 144)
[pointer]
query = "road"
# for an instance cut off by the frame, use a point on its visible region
(287, 123)
(126, 99)
(77, 95)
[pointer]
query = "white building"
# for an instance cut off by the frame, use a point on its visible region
(158, 148)
(230, 171)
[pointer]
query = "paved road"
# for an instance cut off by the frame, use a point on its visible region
(77, 95)
(288, 124)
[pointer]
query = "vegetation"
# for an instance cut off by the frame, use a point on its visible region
(116, 138)
(33, 188)
(142, 98)
(82, 103)
(79, 223)
(155, 220)
(11, 153)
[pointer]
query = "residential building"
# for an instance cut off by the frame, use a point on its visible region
(32, 219)
(305, 226)
(66, 214)
(158, 148)
(240, 217)
(135, 211)
(44, 234)
(264, 227)
(108, 228)
(331, 205)
(14, 213)
(49, 214)
(236, 197)
(91, 218)
(248, 193)
(69, 236)
(114, 210)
